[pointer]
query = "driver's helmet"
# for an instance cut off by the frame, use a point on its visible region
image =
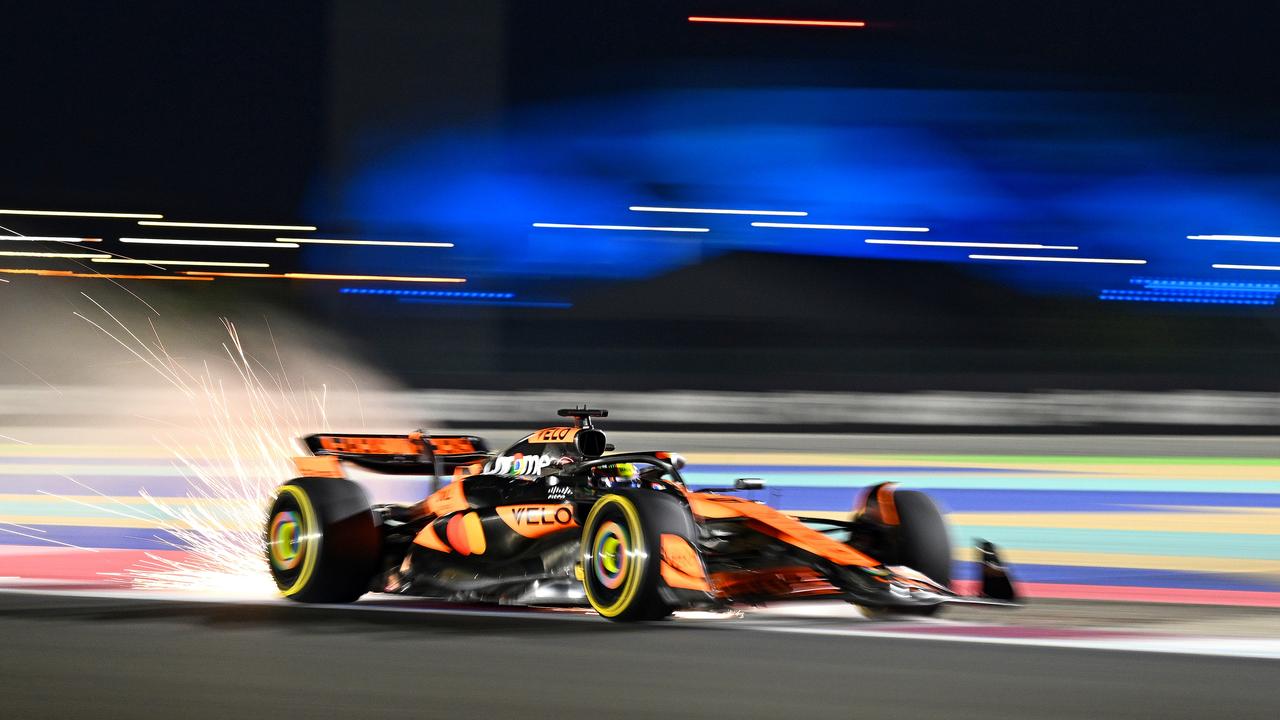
(616, 473)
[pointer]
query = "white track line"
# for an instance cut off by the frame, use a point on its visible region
(1219, 647)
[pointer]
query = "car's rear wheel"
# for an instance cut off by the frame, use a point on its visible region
(621, 560)
(322, 541)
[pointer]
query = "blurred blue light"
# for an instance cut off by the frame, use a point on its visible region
(1202, 298)
(426, 293)
(1118, 178)
(1174, 283)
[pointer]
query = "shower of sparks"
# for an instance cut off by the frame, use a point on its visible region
(249, 425)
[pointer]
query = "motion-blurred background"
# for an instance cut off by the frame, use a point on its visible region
(1097, 130)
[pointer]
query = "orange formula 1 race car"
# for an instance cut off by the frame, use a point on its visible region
(560, 519)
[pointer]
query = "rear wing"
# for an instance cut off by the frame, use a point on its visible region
(414, 454)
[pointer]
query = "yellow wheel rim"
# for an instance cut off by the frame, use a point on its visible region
(623, 558)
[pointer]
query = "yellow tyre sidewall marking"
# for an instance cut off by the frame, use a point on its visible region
(309, 543)
(631, 586)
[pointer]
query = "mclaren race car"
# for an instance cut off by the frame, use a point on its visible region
(561, 519)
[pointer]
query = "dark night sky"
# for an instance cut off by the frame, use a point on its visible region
(237, 105)
(182, 105)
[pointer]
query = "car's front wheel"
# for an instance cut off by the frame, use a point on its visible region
(923, 543)
(621, 557)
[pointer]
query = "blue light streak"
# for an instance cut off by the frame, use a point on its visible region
(456, 297)
(428, 293)
(1189, 297)
(1218, 285)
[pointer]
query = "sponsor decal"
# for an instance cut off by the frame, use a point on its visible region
(519, 464)
(452, 445)
(554, 435)
(537, 520)
(559, 492)
(372, 445)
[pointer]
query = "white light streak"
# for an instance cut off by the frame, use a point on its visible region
(210, 243)
(1033, 258)
(389, 243)
(96, 276)
(716, 211)
(230, 226)
(620, 227)
(79, 256)
(193, 263)
(940, 243)
(72, 213)
(1223, 266)
(813, 226)
(46, 238)
(1237, 238)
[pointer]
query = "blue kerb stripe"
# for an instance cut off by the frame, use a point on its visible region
(98, 537)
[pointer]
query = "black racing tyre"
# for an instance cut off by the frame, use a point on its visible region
(922, 543)
(621, 552)
(322, 541)
(922, 538)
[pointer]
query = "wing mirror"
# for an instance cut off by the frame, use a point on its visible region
(748, 484)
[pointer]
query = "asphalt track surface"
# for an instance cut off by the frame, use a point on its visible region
(63, 657)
